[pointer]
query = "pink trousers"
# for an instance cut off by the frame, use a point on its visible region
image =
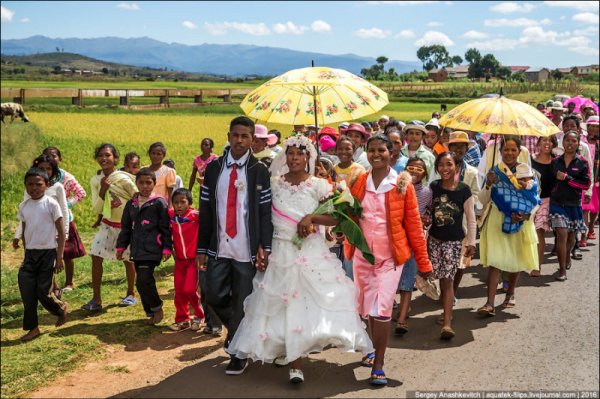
(186, 290)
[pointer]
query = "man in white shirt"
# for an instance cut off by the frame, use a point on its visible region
(235, 229)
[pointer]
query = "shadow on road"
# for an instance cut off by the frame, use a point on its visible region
(322, 379)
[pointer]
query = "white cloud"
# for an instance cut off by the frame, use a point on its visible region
(222, 28)
(537, 35)
(320, 26)
(373, 33)
(590, 51)
(586, 18)
(129, 6)
(405, 34)
(289, 28)
(514, 22)
(189, 25)
(574, 41)
(589, 31)
(498, 44)
(6, 14)
(510, 7)
(434, 37)
(577, 5)
(475, 35)
(434, 24)
(24, 20)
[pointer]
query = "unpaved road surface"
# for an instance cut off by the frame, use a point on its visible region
(548, 342)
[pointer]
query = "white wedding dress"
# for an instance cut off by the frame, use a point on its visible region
(303, 302)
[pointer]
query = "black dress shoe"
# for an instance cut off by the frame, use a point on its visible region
(236, 366)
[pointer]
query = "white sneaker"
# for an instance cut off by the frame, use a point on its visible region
(179, 326)
(280, 361)
(296, 376)
(195, 324)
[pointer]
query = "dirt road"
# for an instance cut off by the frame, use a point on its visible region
(549, 341)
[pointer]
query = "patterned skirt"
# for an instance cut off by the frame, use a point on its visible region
(73, 246)
(104, 244)
(568, 217)
(445, 257)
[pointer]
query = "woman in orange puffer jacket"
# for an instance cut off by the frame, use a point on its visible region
(392, 226)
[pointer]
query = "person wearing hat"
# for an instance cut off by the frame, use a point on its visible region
(557, 111)
(329, 131)
(342, 127)
(327, 145)
(359, 136)
(591, 204)
(459, 143)
(587, 110)
(382, 123)
(414, 147)
(274, 140)
(260, 147)
(432, 137)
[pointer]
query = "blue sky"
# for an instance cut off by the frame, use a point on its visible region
(548, 33)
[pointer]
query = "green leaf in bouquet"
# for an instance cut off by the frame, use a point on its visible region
(354, 235)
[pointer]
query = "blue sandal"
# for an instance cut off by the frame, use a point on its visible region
(92, 306)
(368, 360)
(378, 378)
(128, 301)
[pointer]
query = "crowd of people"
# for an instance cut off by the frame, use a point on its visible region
(425, 191)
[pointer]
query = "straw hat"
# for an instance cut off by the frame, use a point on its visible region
(415, 125)
(460, 137)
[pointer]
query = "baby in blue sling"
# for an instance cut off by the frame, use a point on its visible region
(516, 193)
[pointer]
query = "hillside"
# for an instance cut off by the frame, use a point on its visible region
(64, 66)
(217, 59)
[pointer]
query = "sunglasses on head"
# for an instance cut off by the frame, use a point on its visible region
(416, 169)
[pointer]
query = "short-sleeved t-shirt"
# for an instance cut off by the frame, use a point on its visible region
(165, 178)
(447, 209)
(546, 177)
(39, 217)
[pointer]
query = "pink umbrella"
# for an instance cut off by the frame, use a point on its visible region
(579, 103)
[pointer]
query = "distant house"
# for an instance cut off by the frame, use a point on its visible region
(568, 71)
(585, 70)
(438, 74)
(537, 74)
(458, 72)
(517, 68)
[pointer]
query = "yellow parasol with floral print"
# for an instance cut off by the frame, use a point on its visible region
(291, 98)
(499, 115)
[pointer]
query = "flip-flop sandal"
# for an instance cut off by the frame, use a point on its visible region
(447, 333)
(92, 306)
(486, 311)
(568, 265)
(509, 303)
(560, 278)
(378, 378)
(128, 301)
(535, 273)
(401, 329)
(368, 360)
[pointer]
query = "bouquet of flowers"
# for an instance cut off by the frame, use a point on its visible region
(343, 206)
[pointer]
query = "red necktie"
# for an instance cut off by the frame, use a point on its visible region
(231, 221)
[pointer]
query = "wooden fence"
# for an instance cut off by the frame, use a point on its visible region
(78, 96)
(200, 96)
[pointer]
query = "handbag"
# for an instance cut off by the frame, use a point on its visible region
(428, 286)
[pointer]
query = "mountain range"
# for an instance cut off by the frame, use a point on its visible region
(219, 59)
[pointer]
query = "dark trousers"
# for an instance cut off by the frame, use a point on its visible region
(229, 282)
(210, 316)
(35, 284)
(146, 286)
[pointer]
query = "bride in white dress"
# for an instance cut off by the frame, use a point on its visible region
(303, 302)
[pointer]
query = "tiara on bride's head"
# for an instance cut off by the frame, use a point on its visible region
(298, 140)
